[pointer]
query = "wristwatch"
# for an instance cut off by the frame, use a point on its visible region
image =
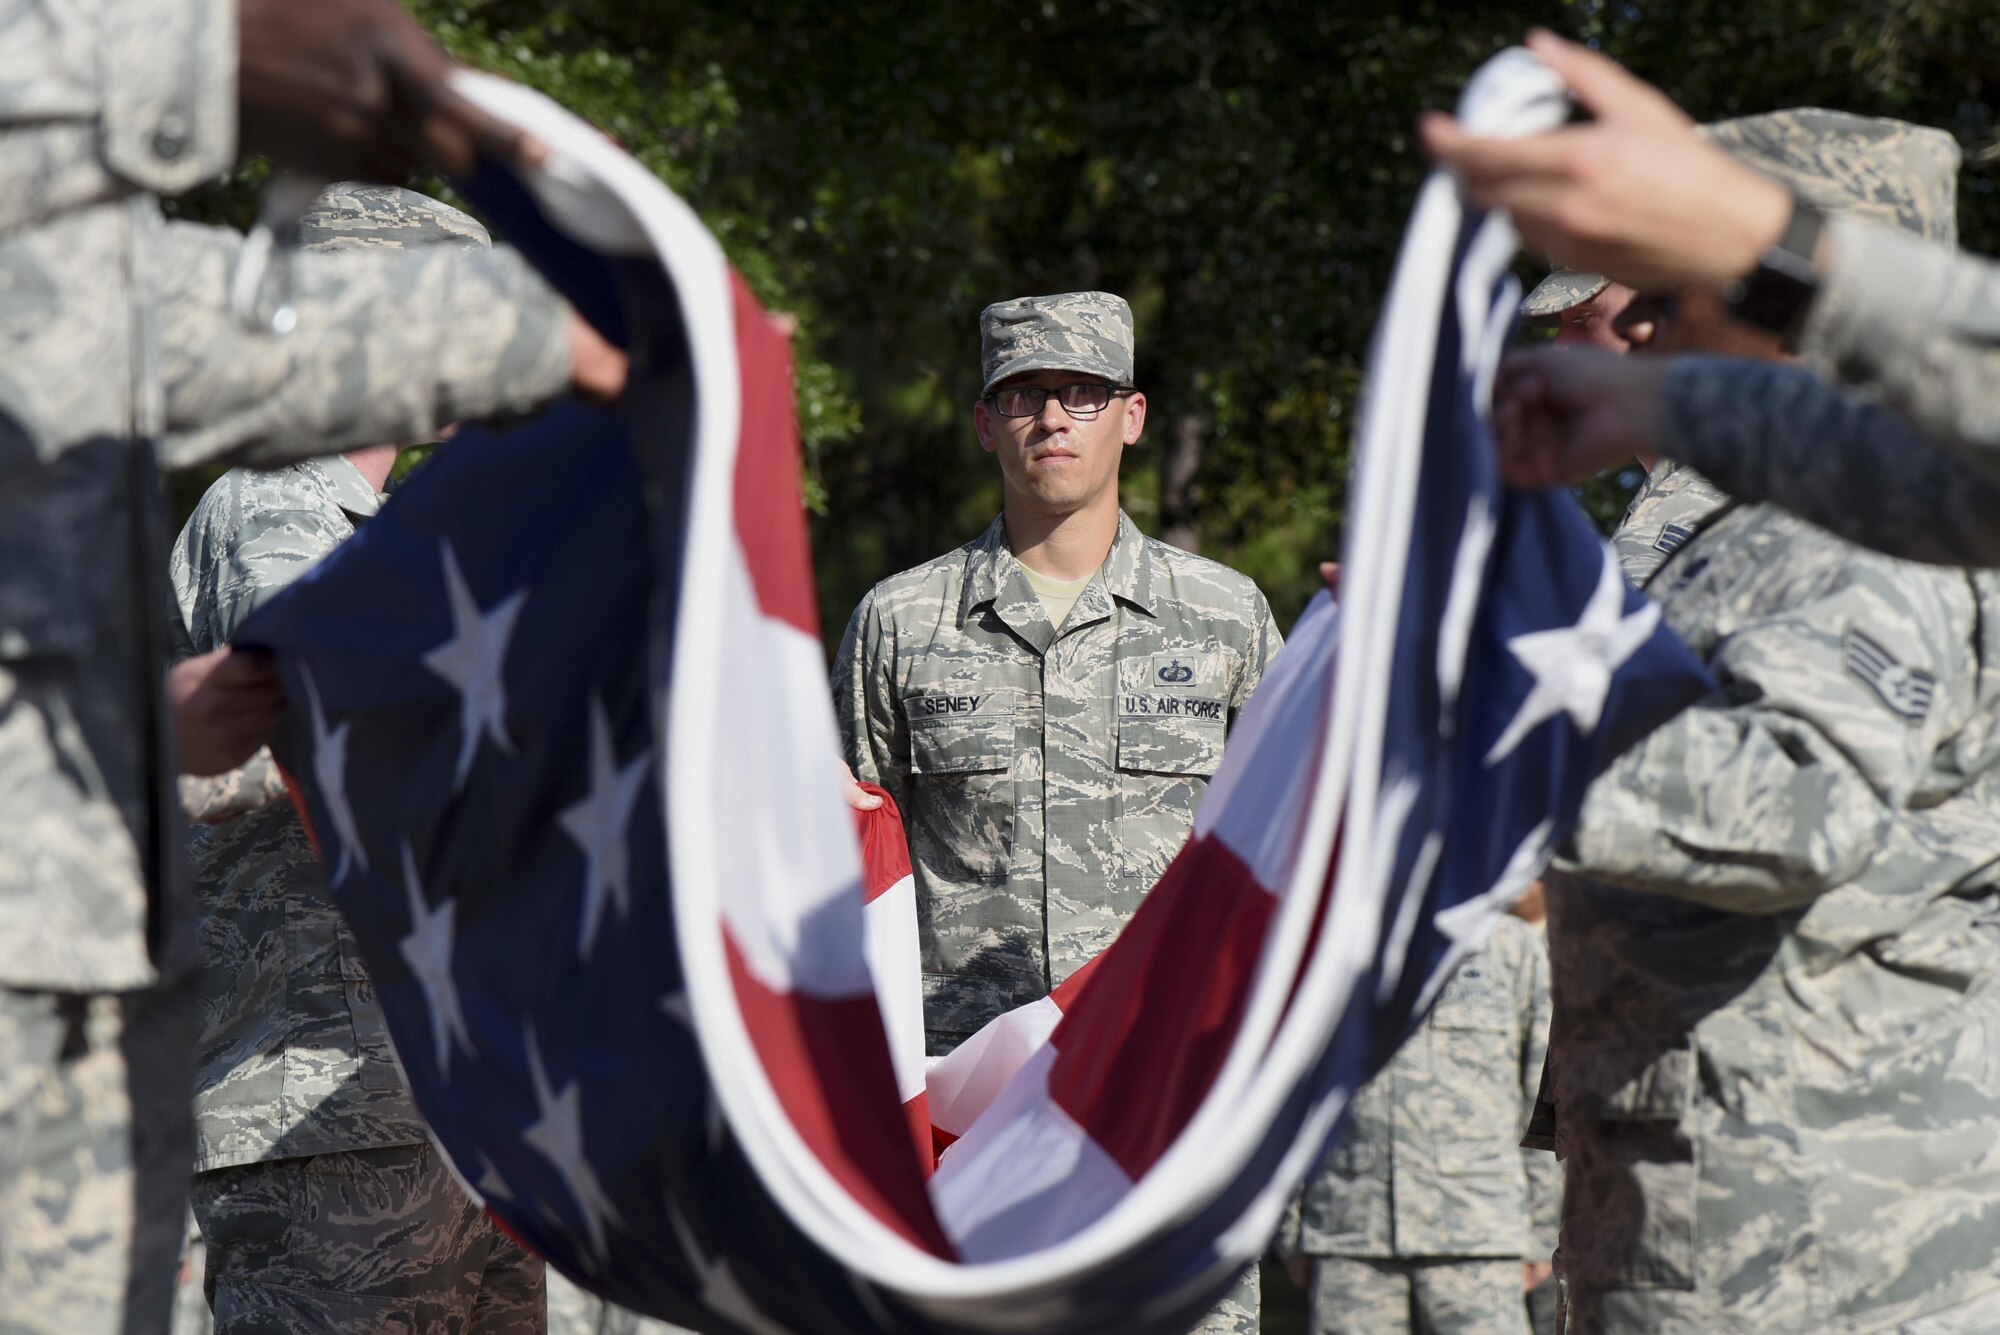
(1776, 295)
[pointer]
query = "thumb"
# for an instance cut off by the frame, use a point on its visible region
(1603, 87)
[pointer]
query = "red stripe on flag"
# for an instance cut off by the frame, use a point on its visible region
(828, 1063)
(770, 521)
(1138, 1050)
(885, 856)
(1070, 990)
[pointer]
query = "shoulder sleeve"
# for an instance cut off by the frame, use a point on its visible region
(873, 739)
(1781, 784)
(100, 101)
(1265, 641)
(390, 347)
(1769, 432)
(250, 537)
(1917, 323)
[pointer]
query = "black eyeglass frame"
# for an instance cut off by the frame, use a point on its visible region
(1043, 392)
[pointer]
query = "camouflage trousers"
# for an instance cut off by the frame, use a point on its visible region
(1671, 1313)
(1351, 1296)
(1237, 1313)
(377, 1240)
(574, 1312)
(96, 1140)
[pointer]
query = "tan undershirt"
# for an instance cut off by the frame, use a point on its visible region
(1057, 595)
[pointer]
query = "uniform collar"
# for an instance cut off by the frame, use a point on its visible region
(994, 576)
(344, 483)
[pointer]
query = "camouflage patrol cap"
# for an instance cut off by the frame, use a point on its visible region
(1073, 331)
(1879, 170)
(350, 214)
(1563, 288)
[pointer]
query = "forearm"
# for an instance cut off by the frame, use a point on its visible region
(389, 347)
(1724, 808)
(1916, 324)
(1769, 432)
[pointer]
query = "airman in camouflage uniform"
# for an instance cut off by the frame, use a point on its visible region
(99, 106)
(1047, 768)
(1778, 993)
(323, 1204)
(1909, 466)
(1422, 1213)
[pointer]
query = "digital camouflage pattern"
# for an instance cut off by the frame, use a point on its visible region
(1778, 997)
(256, 783)
(352, 215)
(1898, 315)
(1912, 468)
(1862, 470)
(1670, 507)
(1046, 775)
(92, 1196)
(299, 1245)
(294, 1054)
(389, 346)
(1427, 1163)
(1353, 1296)
(1868, 168)
(1563, 288)
(1074, 331)
(120, 344)
(101, 102)
(396, 339)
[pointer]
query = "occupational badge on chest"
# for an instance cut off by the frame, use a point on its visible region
(1172, 686)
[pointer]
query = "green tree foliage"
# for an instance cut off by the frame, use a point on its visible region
(1239, 169)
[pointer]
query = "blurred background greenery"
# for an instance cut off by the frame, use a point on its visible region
(1240, 170)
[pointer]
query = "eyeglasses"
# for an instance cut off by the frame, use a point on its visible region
(1084, 399)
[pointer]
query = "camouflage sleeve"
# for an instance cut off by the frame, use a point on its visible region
(1769, 432)
(390, 346)
(251, 786)
(873, 741)
(1263, 648)
(1781, 783)
(1544, 1172)
(101, 101)
(266, 551)
(1917, 324)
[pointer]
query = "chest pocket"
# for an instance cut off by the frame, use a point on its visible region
(1473, 1042)
(962, 762)
(1170, 746)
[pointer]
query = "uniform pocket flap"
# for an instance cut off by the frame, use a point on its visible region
(1618, 1084)
(1169, 746)
(962, 747)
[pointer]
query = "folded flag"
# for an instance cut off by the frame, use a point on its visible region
(561, 722)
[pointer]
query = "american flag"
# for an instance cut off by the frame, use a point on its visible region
(561, 725)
